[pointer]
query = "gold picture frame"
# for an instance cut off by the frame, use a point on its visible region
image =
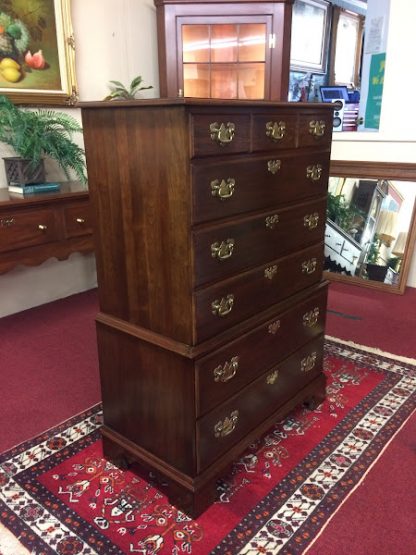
(37, 52)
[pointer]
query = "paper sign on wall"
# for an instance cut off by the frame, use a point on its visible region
(375, 91)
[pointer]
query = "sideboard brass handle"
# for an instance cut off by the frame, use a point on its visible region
(273, 327)
(42, 227)
(227, 426)
(309, 266)
(222, 307)
(317, 128)
(6, 222)
(310, 318)
(275, 130)
(307, 363)
(314, 172)
(222, 250)
(270, 272)
(223, 189)
(271, 221)
(226, 372)
(272, 377)
(80, 221)
(222, 133)
(273, 166)
(311, 221)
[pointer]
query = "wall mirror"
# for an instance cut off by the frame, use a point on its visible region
(371, 224)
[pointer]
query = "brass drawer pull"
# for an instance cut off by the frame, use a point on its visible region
(274, 327)
(311, 220)
(317, 128)
(222, 307)
(222, 133)
(227, 371)
(270, 272)
(272, 377)
(273, 166)
(80, 221)
(275, 130)
(7, 222)
(222, 250)
(223, 189)
(310, 318)
(307, 363)
(314, 172)
(227, 426)
(42, 227)
(271, 221)
(309, 266)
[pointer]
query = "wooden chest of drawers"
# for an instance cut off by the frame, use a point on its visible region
(210, 227)
(36, 227)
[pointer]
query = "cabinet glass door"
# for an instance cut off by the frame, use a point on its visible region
(222, 60)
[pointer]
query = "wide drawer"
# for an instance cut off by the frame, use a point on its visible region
(220, 134)
(228, 187)
(227, 370)
(223, 250)
(77, 219)
(225, 304)
(230, 422)
(26, 228)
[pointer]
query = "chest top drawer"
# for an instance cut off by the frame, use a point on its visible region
(228, 187)
(220, 134)
(27, 228)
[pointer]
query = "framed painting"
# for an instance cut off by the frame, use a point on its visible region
(37, 52)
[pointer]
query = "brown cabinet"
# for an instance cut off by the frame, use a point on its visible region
(224, 49)
(209, 261)
(34, 228)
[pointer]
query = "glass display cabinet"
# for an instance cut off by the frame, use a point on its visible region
(230, 49)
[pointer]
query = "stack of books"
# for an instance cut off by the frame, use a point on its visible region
(33, 188)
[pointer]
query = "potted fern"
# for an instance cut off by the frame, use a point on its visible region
(33, 134)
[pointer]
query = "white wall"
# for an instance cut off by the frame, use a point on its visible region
(115, 39)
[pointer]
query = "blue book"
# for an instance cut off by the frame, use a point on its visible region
(33, 188)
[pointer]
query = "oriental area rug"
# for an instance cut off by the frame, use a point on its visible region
(58, 494)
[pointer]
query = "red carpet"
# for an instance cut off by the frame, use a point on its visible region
(59, 496)
(48, 366)
(369, 317)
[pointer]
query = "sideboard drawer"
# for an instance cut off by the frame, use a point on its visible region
(225, 304)
(78, 219)
(226, 188)
(223, 250)
(227, 370)
(230, 422)
(26, 228)
(220, 134)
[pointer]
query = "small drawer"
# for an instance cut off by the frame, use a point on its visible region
(227, 188)
(223, 250)
(315, 129)
(224, 372)
(220, 134)
(27, 228)
(78, 219)
(223, 305)
(230, 422)
(274, 131)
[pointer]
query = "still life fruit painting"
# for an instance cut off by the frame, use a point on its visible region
(29, 57)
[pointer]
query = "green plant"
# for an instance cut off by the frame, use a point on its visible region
(120, 92)
(374, 250)
(35, 133)
(346, 216)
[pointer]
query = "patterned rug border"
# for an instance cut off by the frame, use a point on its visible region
(81, 429)
(374, 350)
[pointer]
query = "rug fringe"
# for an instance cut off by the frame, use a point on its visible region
(374, 350)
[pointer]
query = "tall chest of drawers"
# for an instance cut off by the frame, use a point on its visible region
(210, 225)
